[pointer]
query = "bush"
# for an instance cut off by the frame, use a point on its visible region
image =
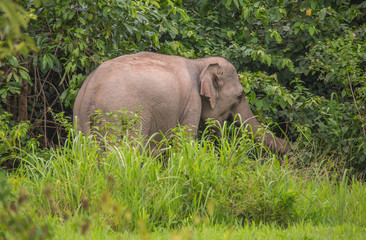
(339, 64)
(15, 142)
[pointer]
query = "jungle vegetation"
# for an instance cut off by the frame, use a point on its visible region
(303, 68)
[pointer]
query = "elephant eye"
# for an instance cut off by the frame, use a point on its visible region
(240, 97)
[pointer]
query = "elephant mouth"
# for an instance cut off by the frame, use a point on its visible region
(230, 120)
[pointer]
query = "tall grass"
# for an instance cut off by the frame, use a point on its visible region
(99, 189)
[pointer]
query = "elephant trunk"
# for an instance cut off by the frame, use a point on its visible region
(274, 143)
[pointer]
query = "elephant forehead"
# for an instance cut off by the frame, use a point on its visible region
(229, 68)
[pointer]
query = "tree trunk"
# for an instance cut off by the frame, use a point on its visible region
(23, 102)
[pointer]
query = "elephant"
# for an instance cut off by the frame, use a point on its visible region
(172, 90)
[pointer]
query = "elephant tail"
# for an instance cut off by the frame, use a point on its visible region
(82, 123)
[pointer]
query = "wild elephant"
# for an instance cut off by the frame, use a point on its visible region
(171, 90)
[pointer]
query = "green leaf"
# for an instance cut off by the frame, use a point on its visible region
(278, 38)
(322, 14)
(64, 97)
(138, 36)
(228, 3)
(344, 93)
(13, 61)
(297, 30)
(26, 77)
(155, 39)
(173, 31)
(236, 3)
(290, 65)
(289, 100)
(278, 14)
(246, 12)
(44, 62)
(259, 104)
(16, 78)
(55, 60)
(3, 96)
(49, 61)
(183, 14)
(297, 24)
(268, 60)
(129, 28)
(105, 11)
(70, 15)
(155, 3)
(311, 30)
(283, 104)
(9, 77)
(35, 62)
(313, 5)
(252, 97)
(24, 74)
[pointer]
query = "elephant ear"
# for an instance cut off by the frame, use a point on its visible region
(210, 83)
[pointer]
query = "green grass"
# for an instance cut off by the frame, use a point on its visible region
(197, 189)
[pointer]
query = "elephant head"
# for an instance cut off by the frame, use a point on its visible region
(223, 98)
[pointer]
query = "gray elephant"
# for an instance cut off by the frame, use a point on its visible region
(171, 90)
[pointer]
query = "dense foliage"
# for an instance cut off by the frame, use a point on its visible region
(302, 63)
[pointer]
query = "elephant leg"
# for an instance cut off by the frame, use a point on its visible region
(191, 122)
(191, 115)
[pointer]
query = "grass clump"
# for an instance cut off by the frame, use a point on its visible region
(194, 189)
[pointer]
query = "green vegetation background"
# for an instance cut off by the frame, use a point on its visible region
(302, 65)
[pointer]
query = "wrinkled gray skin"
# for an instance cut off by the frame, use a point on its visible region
(171, 90)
